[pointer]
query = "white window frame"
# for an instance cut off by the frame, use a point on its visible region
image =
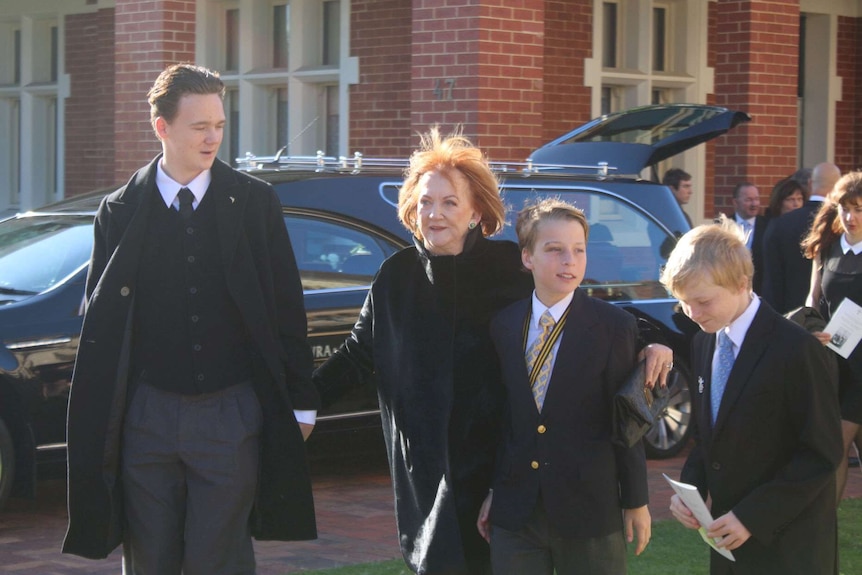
(687, 78)
(32, 117)
(258, 81)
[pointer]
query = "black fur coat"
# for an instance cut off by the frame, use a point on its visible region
(424, 330)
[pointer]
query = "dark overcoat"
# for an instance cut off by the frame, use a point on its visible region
(264, 283)
(772, 453)
(424, 329)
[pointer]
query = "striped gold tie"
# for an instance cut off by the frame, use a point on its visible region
(540, 386)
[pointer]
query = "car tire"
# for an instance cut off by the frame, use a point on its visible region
(671, 431)
(7, 463)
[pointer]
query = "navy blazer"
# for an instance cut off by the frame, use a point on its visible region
(565, 453)
(772, 453)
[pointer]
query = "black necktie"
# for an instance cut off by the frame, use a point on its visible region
(186, 196)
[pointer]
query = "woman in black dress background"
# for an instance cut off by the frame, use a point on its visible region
(835, 245)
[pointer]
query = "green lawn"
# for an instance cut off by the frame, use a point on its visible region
(674, 550)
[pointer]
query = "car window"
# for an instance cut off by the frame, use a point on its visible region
(60, 244)
(625, 250)
(335, 254)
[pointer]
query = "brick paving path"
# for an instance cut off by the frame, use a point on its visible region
(354, 512)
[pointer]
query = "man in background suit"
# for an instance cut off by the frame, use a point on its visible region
(767, 431)
(679, 182)
(193, 373)
(746, 204)
(786, 272)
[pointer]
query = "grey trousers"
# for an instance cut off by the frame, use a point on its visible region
(189, 472)
(535, 550)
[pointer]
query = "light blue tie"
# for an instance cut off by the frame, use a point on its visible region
(749, 233)
(720, 372)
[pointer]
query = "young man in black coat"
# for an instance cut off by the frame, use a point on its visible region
(192, 392)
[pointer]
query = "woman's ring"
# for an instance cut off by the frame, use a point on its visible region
(669, 366)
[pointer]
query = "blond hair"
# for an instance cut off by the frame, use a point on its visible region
(716, 250)
(549, 209)
(445, 154)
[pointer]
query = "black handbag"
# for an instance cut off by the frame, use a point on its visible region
(636, 407)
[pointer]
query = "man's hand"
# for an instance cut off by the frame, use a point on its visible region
(306, 429)
(638, 521)
(659, 362)
(729, 531)
(482, 523)
(682, 513)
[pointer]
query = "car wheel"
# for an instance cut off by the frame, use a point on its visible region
(7, 463)
(670, 433)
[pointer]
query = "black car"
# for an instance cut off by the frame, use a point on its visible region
(341, 215)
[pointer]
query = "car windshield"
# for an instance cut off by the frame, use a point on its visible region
(37, 252)
(625, 250)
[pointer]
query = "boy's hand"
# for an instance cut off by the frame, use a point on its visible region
(659, 362)
(729, 531)
(482, 523)
(682, 513)
(822, 336)
(638, 521)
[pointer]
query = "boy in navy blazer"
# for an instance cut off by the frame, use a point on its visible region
(563, 494)
(767, 424)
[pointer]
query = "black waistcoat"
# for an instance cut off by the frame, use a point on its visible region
(188, 334)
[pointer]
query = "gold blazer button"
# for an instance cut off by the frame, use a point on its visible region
(542, 429)
(534, 464)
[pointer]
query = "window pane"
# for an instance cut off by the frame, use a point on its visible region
(659, 30)
(17, 56)
(231, 44)
(333, 255)
(332, 120)
(61, 245)
(281, 125)
(280, 35)
(331, 32)
(54, 53)
(231, 102)
(609, 35)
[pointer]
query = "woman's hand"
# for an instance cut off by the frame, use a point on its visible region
(659, 362)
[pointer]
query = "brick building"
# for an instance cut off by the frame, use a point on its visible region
(367, 75)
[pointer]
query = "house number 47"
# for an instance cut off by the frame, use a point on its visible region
(443, 88)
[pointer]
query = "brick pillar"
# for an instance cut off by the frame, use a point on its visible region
(149, 36)
(756, 68)
(848, 110)
(380, 103)
(478, 63)
(89, 136)
(568, 42)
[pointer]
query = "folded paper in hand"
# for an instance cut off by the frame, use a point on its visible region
(636, 407)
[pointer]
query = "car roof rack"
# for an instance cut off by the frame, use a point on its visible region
(357, 163)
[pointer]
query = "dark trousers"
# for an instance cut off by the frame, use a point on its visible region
(535, 550)
(190, 467)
